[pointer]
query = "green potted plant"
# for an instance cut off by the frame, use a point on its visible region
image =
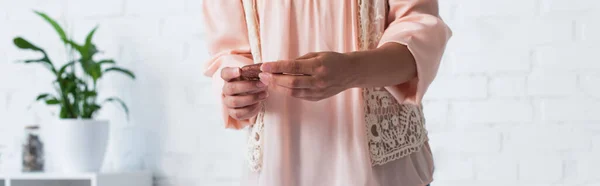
(77, 139)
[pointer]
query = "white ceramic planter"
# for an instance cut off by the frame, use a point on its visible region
(77, 145)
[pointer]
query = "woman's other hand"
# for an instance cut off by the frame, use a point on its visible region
(241, 98)
(313, 77)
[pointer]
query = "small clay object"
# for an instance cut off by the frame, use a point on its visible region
(250, 72)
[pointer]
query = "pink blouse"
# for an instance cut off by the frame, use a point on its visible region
(323, 143)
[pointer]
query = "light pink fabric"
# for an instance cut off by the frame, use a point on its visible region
(415, 23)
(324, 143)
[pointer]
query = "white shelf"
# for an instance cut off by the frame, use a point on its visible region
(77, 179)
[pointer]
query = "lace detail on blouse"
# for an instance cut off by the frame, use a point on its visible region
(393, 130)
(255, 142)
(255, 138)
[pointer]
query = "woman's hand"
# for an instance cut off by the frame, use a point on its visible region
(313, 77)
(241, 98)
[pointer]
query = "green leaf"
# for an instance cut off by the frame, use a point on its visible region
(42, 96)
(89, 48)
(106, 61)
(68, 84)
(92, 50)
(55, 25)
(113, 99)
(64, 67)
(24, 44)
(87, 52)
(44, 61)
(63, 112)
(91, 109)
(88, 38)
(93, 70)
(117, 69)
(76, 46)
(90, 93)
(81, 82)
(53, 101)
(49, 99)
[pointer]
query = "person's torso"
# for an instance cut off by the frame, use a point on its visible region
(323, 142)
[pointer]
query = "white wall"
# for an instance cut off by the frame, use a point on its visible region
(516, 102)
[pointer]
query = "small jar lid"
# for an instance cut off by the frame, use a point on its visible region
(32, 127)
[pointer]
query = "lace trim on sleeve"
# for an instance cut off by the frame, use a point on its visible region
(393, 130)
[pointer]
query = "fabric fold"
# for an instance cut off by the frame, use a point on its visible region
(228, 45)
(417, 25)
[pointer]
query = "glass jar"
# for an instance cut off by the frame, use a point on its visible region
(33, 150)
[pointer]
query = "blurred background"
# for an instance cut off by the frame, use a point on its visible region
(516, 101)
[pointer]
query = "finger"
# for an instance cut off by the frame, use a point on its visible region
(292, 81)
(230, 73)
(241, 87)
(265, 78)
(244, 100)
(244, 112)
(309, 55)
(303, 66)
(294, 92)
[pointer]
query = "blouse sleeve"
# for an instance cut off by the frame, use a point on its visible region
(417, 25)
(228, 46)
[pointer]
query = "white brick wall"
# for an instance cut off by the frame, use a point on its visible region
(545, 139)
(587, 27)
(561, 6)
(507, 86)
(551, 83)
(589, 85)
(566, 110)
(497, 168)
(580, 57)
(516, 102)
(536, 169)
(458, 87)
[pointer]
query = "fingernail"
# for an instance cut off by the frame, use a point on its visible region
(260, 84)
(237, 72)
(265, 67)
(264, 78)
